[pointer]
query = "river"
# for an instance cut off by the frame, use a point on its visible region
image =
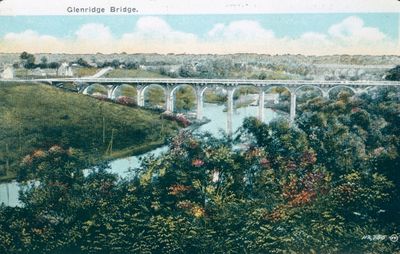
(9, 192)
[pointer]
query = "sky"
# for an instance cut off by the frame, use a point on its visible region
(293, 33)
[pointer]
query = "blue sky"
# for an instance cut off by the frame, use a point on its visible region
(291, 25)
(358, 33)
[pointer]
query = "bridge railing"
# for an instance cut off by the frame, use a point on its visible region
(232, 82)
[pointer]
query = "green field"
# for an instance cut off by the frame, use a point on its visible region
(38, 116)
(85, 71)
(124, 73)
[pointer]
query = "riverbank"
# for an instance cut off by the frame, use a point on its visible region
(135, 150)
(127, 152)
(35, 117)
(122, 161)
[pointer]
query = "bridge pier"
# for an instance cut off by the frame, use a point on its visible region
(325, 94)
(199, 109)
(169, 105)
(358, 91)
(140, 96)
(292, 106)
(110, 92)
(199, 99)
(261, 110)
(85, 90)
(229, 106)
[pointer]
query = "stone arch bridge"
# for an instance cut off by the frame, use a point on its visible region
(200, 86)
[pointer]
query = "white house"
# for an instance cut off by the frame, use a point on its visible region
(65, 70)
(8, 72)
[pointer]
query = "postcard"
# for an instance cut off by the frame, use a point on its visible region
(169, 126)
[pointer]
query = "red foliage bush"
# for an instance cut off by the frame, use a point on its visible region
(125, 100)
(179, 118)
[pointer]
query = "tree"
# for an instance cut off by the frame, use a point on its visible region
(82, 62)
(187, 71)
(155, 97)
(132, 65)
(262, 76)
(322, 185)
(394, 74)
(115, 63)
(185, 99)
(54, 65)
(43, 62)
(28, 60)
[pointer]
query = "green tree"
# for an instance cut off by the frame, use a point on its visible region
(322, 185)
(28, 60)
(155, 97)
(393, 74)
(82, 62)
(43, 62)
(185, 99)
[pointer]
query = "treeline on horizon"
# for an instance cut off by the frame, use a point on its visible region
(327, 184)
(205, 67)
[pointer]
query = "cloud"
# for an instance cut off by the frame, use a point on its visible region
(240, 36)
(154, 34)
(242, 30)
(93, 32)
(31, 40)
(93, 38)
(353, 29)
(350, 36)
(154, 28)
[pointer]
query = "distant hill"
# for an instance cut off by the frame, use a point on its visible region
(241, 66)
(160, 59)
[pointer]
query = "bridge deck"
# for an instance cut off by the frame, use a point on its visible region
(227, 82)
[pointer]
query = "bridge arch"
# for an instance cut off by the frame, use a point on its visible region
(245, 89)
(365, 89)
(308, 86)
(200, 91)
(212, 88)
(160, 101)
(279, 95)
(312, 93)
(80, 86)
(244, 96)
(341, 87)
(125, 90)
(270, 87)
(96, 90)
(176, 102)
(176, 87)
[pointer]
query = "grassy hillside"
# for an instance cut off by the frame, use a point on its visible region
(86, 71)
(37, 116)
(123, 73)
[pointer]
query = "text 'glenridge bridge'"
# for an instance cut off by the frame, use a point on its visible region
(200, 86)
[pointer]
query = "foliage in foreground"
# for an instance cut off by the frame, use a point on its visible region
(321, 187)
